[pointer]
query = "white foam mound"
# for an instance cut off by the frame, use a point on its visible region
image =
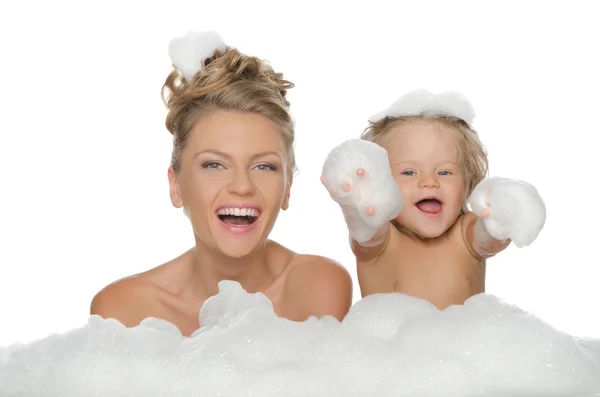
(424, 103)
(388, 345)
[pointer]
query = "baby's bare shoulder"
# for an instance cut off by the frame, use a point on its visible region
(398, 245)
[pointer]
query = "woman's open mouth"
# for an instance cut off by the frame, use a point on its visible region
(238, 216)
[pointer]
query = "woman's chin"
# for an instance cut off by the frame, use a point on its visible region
(238, 241)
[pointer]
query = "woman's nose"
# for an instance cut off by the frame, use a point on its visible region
(241, 184)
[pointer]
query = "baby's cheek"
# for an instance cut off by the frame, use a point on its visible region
(404, 186)
(402, 217)
(459, 187)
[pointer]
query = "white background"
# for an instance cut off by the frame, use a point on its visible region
(84, 152)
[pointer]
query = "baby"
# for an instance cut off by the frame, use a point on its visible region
(405, 190)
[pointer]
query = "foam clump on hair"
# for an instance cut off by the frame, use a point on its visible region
(388, 345)
(189, 52)
(424, 103)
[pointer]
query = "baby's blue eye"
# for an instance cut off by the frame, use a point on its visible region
(445, 173)
(408, 173)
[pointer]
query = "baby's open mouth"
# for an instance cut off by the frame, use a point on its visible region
(238, 216)
(430, 205)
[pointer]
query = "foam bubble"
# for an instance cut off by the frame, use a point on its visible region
(388, 345)
(189, 52)
(376, 189)
(517, 210)
(424, 103)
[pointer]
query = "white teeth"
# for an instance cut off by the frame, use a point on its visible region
(238, 212)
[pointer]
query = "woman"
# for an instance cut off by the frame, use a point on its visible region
(231, 172)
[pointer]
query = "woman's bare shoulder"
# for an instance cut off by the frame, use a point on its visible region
(127, 300)
(319, 285)
(301, 264)
(132, 299)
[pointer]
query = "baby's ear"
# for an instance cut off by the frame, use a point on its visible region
(465, 204)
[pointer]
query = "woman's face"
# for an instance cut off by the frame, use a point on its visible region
(233, 181)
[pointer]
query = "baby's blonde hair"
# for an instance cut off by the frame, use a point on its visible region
(473, 155)
(229, 81)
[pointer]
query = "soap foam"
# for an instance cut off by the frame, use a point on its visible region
(388, 345)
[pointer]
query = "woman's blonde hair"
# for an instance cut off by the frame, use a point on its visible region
(472, 153)
(228, 81)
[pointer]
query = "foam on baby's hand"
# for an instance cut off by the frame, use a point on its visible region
(359, 192)
(517, 211)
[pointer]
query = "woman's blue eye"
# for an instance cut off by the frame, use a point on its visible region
(266, 167)
(212, 165)
(445, 173)
(216, 166)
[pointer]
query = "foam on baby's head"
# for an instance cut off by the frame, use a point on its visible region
(450, 110)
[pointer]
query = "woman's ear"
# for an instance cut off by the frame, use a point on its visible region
(286, 199)
(174, 191)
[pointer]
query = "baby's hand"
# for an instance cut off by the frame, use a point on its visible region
(510, 209)
(358, 177)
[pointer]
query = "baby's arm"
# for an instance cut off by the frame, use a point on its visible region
(507, 210)
(358, 177)
(479, 240)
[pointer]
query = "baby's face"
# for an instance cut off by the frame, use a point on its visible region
(425, 162)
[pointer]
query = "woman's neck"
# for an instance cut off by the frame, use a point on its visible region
(209, 267)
